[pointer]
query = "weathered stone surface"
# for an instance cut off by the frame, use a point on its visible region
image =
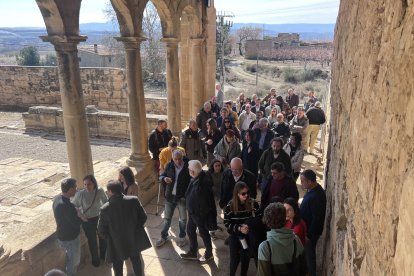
(25, 86)
(370, 178)
(100, 123)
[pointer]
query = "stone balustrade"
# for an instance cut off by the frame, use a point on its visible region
(101, 123)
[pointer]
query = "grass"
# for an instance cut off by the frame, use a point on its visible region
(314, 77)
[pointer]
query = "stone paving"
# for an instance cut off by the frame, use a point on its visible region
(28, 186)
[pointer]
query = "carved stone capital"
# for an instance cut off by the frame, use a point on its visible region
(64, 43)
(131, 42)
(171, 42)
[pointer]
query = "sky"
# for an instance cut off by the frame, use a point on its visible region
(25, 13)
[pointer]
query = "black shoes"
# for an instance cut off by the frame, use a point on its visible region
(189, 256)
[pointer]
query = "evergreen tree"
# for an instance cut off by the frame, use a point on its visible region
(28, 56)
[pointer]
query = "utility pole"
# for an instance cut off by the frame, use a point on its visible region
(221, 22)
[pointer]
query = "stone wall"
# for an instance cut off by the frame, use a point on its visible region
(101, 123)
(25, 86)
(370, 173)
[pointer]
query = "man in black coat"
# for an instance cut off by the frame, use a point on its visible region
(292, 99)
(202, 118)
(175, 179)
(202, 213)
(235, 174)
(264, 135)
(316, 118)
(272, 155)
(158, 140)
(121, 223)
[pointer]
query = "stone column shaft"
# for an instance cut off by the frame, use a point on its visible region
(197, 74)
(74, 115)
(173, 86)
(136, 102)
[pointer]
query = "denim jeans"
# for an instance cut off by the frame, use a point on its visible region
(168, 213)
(72, 255)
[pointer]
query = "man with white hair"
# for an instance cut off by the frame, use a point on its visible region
(202, 117)
(316, 118)
(264, 135)
(176, 179)
(202, 211)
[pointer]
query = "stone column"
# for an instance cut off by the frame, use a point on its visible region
(173, 86)
(185, 72)
(197, 74)
(74, 116)
(136, 103)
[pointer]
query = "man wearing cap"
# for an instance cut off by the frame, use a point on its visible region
(228, 148)
(316, 118)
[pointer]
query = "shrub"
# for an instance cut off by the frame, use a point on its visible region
(307, 75)
(290, 75)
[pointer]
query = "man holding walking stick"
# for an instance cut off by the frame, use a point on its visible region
(176, 179)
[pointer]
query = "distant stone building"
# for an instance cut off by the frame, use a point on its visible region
(269, 46)
(97, 56)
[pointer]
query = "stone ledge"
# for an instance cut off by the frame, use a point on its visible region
(104, 87)
(101, 123)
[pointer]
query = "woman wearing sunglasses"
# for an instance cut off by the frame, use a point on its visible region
(237, 214)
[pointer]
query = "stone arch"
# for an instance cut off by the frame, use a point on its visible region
(60, 18)
(192, 15)
(167, 17)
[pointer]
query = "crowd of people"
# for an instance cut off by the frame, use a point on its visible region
(249, 145)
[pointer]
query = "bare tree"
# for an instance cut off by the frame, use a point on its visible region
(153, 48)
(247, 33)
(153, 51)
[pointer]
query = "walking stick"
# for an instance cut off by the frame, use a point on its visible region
(158, 197)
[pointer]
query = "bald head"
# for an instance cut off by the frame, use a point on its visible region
(236, 166)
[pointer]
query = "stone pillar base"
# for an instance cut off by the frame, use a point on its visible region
(146, 179)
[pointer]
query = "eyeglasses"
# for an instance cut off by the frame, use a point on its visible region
(244, 194)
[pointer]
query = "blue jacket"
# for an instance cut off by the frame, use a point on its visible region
(312, 211)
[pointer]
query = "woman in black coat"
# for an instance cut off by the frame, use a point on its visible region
(239, 214)
(212, 138)
(250, 152)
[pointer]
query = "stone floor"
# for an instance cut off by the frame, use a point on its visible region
(166, 260)
(28, 185)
